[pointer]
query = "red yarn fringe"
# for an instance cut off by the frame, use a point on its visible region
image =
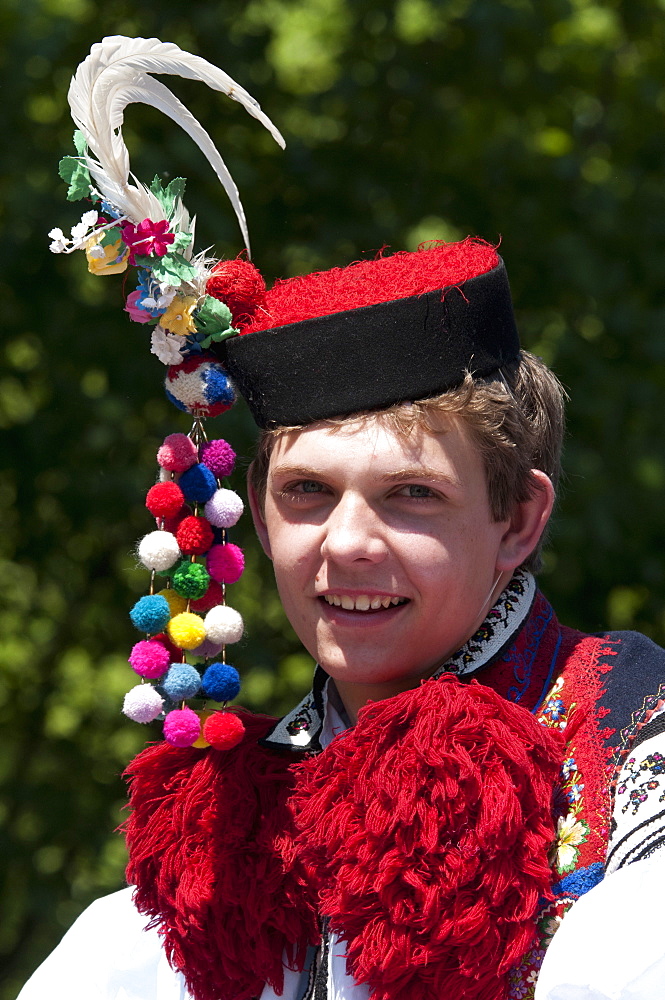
(424, 834)
(211, 851)
(427, 827)
(367, 282)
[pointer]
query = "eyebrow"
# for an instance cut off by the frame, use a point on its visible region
(421, 472)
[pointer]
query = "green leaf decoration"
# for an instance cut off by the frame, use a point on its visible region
(213, 319)
(167, 196)
(80, 143)
(181, 241)
(171, 268)
(75, 173)
(110, 237)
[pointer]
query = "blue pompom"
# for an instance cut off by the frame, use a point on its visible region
(220, 682)
(181, 682)
(217, 388)
(198, 483)
(150, 614)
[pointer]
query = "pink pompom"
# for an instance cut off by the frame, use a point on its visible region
(223, 730)
(194, 536)
(213, 596)
(150, 659)
(219, 456)
(177, 453)
(182, 727)
(225, 563)
(224, 508)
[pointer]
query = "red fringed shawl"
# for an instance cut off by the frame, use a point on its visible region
(421, 834)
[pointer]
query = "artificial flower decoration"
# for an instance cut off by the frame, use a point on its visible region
(167, 346)
(133, 306)
(178, 317)
(150, 239)
(109, 259)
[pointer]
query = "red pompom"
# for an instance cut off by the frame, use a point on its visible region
(175, 653)
(225, 563)
(213, 596)
(223, 730)
(164, 499)
(238, 284)
(172, 523)
(194, 536)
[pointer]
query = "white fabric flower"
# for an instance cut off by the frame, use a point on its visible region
(60, 242)
(167, 346)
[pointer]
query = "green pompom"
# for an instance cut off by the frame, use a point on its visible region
(190, 580)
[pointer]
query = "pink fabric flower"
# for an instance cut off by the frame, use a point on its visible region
(133, 308)
(148, 238)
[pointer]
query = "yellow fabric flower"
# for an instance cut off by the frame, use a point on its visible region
(178, 317)
(105, 260)
(570, 834)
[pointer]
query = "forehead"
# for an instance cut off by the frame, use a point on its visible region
(375, 443)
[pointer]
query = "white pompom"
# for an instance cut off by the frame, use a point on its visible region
(159, 550)
(143, 703)
(223, 624)
(224, 508)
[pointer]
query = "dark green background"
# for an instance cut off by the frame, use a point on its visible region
(539, 123)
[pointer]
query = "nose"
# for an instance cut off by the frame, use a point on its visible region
(354, 532)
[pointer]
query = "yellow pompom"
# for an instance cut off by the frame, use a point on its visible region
(204, 715)
(186, 630)
(176, 603)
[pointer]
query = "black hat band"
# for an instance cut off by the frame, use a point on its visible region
(375, 356)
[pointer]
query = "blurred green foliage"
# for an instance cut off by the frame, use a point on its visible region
(535, 122)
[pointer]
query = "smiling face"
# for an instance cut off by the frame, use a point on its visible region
(384, 548)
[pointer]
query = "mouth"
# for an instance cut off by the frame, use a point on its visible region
(365, 603)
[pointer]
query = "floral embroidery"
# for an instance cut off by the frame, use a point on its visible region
(571, 832)
(301, 722)
(654, 764)
(501, 623)
(554, 713)
(522, 981)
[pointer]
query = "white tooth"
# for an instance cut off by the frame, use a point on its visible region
(386, 602)
(395, 600)
(337, 601)
(329, 599)
(376, 603)
(347, 602)
(362, 603)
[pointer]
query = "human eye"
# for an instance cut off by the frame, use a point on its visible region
(417, 491)
(302, 489)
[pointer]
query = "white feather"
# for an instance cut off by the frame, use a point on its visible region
(115, 74)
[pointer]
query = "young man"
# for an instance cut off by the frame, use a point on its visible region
(418, 826)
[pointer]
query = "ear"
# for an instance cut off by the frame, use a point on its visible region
(257, 516)
(527, 523)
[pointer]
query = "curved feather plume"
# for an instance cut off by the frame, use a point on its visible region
(117, 73)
